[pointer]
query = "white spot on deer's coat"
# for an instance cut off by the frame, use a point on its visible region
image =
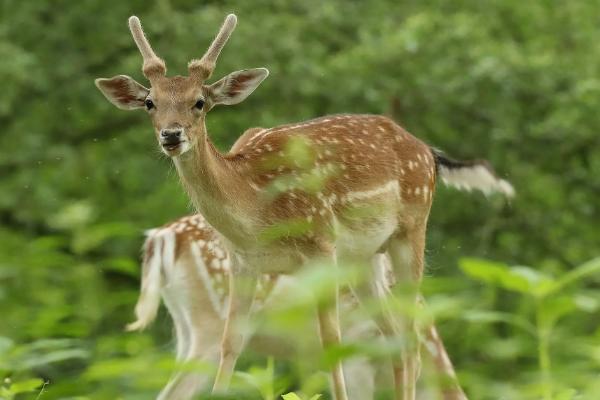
(219, 252)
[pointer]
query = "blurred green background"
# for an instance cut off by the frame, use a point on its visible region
(516, 82)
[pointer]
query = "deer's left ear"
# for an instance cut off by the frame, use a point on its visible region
(123, 91)
(235, 87)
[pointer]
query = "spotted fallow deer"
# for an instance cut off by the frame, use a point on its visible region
(185, 264)
(359, 185)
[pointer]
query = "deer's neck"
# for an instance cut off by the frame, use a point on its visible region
(217, 189)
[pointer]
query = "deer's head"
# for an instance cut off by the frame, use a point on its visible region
(178, 105)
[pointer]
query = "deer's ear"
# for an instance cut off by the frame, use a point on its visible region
(123, 91)
(235, 87)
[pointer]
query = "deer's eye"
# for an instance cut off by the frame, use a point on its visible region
(149, 104)
(199, 104)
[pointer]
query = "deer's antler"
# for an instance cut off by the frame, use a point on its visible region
(153, 66)
(204, 67)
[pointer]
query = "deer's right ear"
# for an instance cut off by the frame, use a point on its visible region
(123, 91)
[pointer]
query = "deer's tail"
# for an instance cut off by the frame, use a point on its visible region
(470, 175)
(158, 251)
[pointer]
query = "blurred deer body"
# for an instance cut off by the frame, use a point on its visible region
(327, 191)
(185, 263)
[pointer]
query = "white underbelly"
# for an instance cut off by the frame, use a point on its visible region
(353, 242)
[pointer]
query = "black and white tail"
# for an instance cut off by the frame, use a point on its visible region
(470, 175)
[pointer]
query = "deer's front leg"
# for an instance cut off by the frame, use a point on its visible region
(242, 285)
(329, 329)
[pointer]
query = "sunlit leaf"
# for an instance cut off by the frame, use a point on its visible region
(24, 386)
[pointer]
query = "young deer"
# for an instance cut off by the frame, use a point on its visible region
(185, 263)
(335, 190)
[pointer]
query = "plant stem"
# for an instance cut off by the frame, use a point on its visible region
(543, 335)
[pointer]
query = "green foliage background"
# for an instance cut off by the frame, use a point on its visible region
(512, 81)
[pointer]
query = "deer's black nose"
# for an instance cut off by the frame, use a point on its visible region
(170, 136)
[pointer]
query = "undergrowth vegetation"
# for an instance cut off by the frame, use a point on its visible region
(513, 287)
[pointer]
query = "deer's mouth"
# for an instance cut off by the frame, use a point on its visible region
(173, 149)
(171, 146)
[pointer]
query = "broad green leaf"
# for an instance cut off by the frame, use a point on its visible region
(566, 394)
(28, 385)
(496, 316)
(519, 279)
(294, 396)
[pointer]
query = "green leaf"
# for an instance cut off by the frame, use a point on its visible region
(589, 268)
(496, 316)
(27, 385)
(94, 236)
(262, 379)
(566, 394)
(520, 279)
(73, 215)
(294, 396)
(552, 309)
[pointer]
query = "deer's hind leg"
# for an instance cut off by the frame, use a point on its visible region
(376, 288)
(406, 250)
